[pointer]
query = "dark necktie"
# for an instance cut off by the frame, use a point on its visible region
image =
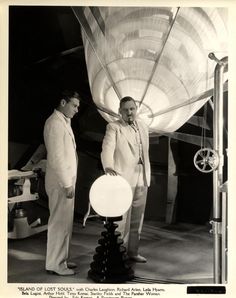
(133, 126)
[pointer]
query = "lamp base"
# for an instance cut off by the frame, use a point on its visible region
(109, 265)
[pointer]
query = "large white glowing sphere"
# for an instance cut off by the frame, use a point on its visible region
(110, 196)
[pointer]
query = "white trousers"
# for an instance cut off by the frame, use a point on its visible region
(131, 224)
(60, 226)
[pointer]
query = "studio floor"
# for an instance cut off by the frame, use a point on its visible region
(180, 253)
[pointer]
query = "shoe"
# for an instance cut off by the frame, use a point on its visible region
(138, 259)
(71, 265)
(64, 272)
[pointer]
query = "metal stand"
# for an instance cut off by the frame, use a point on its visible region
(88, 215)
(224, 243)
(218, 215)
(21, 227)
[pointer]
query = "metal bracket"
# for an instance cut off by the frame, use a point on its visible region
(216, 226)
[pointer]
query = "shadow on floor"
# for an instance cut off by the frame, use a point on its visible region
(180, 253)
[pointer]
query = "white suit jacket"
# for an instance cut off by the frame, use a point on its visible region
(118, 150)
(61, 150)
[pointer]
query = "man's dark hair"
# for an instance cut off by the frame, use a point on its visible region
(68, 94)
(125, 99)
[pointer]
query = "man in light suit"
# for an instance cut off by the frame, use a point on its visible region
(61, 173)
(125, 152)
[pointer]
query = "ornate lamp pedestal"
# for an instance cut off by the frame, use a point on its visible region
(108, 264)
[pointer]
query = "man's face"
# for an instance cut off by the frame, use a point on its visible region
(70, 108)
(128, 111)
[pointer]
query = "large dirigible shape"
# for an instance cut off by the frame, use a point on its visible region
(157, 55)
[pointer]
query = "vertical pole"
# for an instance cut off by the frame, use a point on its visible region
(172, 184)
(224, 234)
(218, 173)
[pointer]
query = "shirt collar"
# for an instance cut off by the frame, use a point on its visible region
(61, 115)
(126, 123)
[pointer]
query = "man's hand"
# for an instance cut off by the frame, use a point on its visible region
(111, 172)
(70, 192)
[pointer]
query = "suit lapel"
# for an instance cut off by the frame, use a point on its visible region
(141, 133)
(126, 134)
(67, 126)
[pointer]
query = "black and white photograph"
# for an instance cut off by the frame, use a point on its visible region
(116, 160)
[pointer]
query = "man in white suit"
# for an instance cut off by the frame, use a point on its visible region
(125, 152)
(61, 173)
